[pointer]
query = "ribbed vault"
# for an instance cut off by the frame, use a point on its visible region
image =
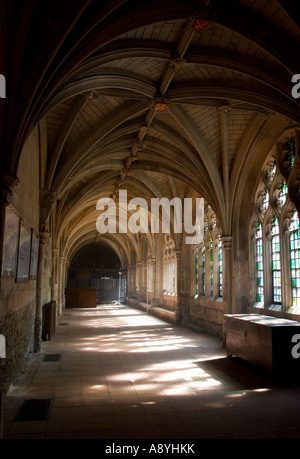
(101, 68)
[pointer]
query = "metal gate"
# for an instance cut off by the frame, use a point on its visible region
(111, 284)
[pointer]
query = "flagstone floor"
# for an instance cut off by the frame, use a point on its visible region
(124, 374)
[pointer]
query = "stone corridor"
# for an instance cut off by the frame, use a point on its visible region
(118, 373)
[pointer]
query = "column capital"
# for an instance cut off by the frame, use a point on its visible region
(43, 237)
(152, 260)
(226, 242)
(55, 253)
(47, 201)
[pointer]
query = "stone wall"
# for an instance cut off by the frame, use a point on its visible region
(18, 297)
(170, 302)
(18, 329)
(204, 315)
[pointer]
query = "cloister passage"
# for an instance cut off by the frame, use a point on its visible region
(98, 267)
(119, 373)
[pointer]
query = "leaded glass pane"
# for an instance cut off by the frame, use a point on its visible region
(265, 199)
(282, 194)
(276, 267)
(271, 171)
(259, 264)
(295, 259)
(220, 269)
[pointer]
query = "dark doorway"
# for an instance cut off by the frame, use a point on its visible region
(98, 266)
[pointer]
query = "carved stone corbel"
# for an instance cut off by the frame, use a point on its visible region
(47, 202)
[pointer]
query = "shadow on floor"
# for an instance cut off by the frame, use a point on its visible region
(245, 375)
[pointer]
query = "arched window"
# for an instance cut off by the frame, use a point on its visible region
(259, 264)
(169, 269)
(276, 236)
(207, 259)
(211, 267)
(196, 271)
(294, 241)
(203, 268)
(220, 268)
(276, 264)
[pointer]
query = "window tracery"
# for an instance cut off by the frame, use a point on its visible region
(275, 234)
(169, 266)
(208, 259)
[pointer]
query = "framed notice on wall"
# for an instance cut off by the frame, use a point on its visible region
(24, 253)
(11, 242)
(34, 256)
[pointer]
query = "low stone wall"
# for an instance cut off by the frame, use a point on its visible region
(205, 315)
(199, 314)
(157, 311)
(18, 329)
(170, 302)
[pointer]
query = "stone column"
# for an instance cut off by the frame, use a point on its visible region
(129, 281)
(143, 278)
(43, 237)
(64, 282)
(47, 201)
(227, 272)
(139, 279)
(61, 285)
(181, 297)
(151, 267)
(54, 275)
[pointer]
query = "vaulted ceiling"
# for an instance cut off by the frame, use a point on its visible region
(89, 73)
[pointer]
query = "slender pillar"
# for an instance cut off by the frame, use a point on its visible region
(64, 282)
(138, 279)
(226, 271)
(61, 285)
(43, 237)
(151, 280)
(178, 286)
(47, 201)
(54, 275)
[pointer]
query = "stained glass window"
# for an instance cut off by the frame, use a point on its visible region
(273, 198)
(203, 270)
(220, 268)
(275, 256)
(265, 201)
(295, 259)
(259, 264)
(271, 171)
(211, 269)
(290, 148)
(282, 194)
(169, 277)
(196, 271)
